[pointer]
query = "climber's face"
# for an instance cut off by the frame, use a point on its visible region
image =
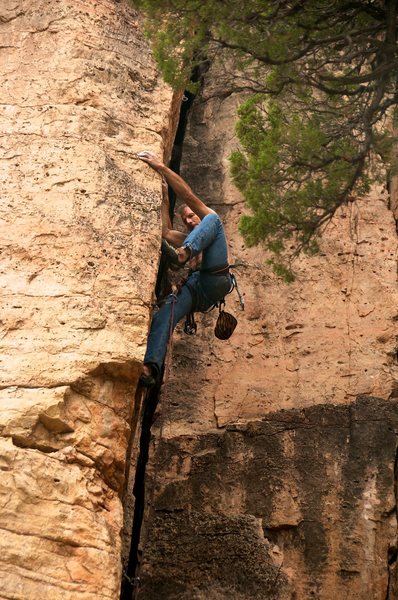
(190, 219)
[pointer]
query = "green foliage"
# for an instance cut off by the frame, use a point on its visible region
(320, 80)
(292, 172)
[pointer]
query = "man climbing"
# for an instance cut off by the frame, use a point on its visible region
(204, 287)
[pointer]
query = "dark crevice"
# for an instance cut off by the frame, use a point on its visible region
(162, 287)
(392, 554)
(188, 98)
(130, 578)
(392, 204)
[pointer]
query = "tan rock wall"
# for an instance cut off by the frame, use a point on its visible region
(299, 504)
(267, 426)
(329, 336)
(79, 244)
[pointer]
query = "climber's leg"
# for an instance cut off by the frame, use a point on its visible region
(208, 235)
(172, 310)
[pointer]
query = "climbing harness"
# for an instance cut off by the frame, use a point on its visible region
(226, 323)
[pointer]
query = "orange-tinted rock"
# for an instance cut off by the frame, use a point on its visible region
(299, 504)
(267, 426)
(329, 336)
(79, 239)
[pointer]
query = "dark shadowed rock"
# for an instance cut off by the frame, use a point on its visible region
(298, 505)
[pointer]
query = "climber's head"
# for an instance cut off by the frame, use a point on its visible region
(189, 218)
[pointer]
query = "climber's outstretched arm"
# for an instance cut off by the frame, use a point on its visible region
(174, 237)
(180, 187)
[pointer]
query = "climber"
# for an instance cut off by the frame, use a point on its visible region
(204, 287)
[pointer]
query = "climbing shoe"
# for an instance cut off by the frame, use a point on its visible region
(169, 252)
(150, 380)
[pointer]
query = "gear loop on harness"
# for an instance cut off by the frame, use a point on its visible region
(190, 326)
(235, 285)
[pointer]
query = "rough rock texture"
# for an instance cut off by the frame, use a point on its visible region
(326, 338)
(79, 251)
(265, 429)
(298, 505)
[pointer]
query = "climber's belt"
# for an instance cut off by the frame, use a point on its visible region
(222, 270)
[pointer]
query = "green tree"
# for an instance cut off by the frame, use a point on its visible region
(321, 83)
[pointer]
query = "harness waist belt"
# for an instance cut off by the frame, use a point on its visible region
(216, 271)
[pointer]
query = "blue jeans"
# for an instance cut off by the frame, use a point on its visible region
(201, 290)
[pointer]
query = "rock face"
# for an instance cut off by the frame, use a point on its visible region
(273, 479)
(79, 249)
(275, 473)
(299, 504)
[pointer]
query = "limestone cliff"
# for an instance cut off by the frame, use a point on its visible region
(80, 237)
(273, 464)
(275, 472)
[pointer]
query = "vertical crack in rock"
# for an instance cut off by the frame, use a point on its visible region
(392, 556)
(392, 188)
(129, 579)
(138, 536)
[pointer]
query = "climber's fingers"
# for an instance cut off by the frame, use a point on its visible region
(150, 158)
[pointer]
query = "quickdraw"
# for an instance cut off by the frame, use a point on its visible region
(241, 298)
(190, 326)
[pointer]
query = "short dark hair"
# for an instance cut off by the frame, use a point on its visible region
(182, 208)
